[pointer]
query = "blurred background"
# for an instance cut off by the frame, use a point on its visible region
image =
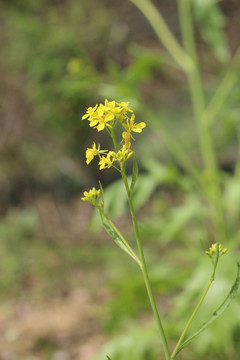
(66, 291)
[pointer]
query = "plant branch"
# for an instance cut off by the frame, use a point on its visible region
(144, 269)
(163, 33)
(222, 91)
(205, 139)
(215, 262)
(175, 351)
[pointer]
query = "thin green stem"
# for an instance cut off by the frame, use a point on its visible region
(190, 48)
(223, 90)
(205, 138)
(174, 353)
(215, 262)
(164, 34)
(114, 140)
(144, 269)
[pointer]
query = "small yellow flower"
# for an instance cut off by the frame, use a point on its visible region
(98, 117)
(127, 137)
(102, 119)
(123, 154)
(91, 196)
(110, 106)
(106, 161)
(117, 108)
(91, 152)
(213, 250)
(91, 111)
(131, 126)
(138, 127)
(124, 107)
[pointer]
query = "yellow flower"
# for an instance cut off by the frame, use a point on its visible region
(123, 154)
(131, 126)
(127, 137)
(91, 196)
(107, 115)
(98, 117)
(213, 250)
(102, 119)
(138, 127)
(106, 161)
(91, 152)
(124, 107)
(90, 112)
(110, 106)
(121, 109)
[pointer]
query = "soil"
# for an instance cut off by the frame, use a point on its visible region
(66, 326)
(65, 329)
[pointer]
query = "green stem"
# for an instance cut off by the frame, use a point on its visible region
(164, 34)
(144, 269)
(174, 353)
(114, 140)
(205, 138)
(215, 262)
(223, 90)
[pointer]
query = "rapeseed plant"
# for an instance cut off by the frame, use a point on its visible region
(111, 116)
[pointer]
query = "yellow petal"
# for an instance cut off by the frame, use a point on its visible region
(101, 126)
(109, 117)
(93, 123)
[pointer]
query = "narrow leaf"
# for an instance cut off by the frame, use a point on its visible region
(108, 357)
(217, 313)
(134, 174)
(117, 237)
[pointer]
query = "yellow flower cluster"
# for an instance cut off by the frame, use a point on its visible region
(121, 156)
(106, 116)
(91, 196)
(213, 250)
(101, 115)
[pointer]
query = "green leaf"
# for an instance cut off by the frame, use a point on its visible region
(108, 357)
(134, 174)
(117, 237)
(217, 313)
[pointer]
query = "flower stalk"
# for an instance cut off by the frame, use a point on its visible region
(145, 271)
(107, 116)
(203, 124)
(214, 252)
